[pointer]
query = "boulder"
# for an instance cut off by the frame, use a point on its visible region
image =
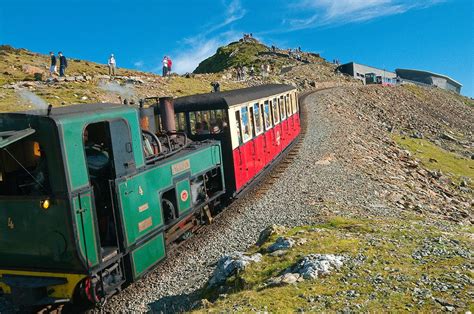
(268, 232)
(316, 265)
(103, 77)
(281, 243)
(448, 137)
(231, 264)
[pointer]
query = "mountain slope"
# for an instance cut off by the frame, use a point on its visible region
(24, 82)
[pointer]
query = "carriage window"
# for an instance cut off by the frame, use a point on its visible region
(275, 111)
(218, 121)
(257, 118)
(246, 126)
(238, 127)
(207, 122)
(252, 120)
(266, 115)
(180, 122)
(293, 102)
(199, 122)
(289, 112)
(282, 108)
(297, 104)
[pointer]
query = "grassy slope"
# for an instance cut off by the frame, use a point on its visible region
(436, 158)
(232, 55)
(12, 69)
(381, 270)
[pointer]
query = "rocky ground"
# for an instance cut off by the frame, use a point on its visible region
(398, 157)
(349, 166)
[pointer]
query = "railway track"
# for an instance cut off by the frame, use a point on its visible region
(262, 186)
(276, 173)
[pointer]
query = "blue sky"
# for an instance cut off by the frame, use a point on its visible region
(435, 35)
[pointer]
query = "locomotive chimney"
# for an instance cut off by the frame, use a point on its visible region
(147, 117)
(167, 114)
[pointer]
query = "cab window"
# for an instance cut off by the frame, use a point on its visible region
(24, 168)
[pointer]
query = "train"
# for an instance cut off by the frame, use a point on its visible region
(94, 196)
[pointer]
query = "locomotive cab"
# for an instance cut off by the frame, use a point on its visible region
(86, 207)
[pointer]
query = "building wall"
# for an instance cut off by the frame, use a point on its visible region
(359, 70)
(363, 69)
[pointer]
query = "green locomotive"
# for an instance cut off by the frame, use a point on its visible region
(90, 200)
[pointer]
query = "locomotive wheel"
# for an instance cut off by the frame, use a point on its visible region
(91, 290)
(168, 209)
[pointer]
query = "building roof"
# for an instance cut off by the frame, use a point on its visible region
(224, 100)
(400, 73)
(365, 65)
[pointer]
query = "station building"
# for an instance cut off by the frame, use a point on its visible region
(366, 73)
(429, 78)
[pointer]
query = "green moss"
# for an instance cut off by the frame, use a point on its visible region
(436, 158)
(235, 54)
(416, 90)
(379, 268)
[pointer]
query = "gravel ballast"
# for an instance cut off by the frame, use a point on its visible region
(289, 201)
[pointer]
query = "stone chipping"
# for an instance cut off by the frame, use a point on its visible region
(297, 198)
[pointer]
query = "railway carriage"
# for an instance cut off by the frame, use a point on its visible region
(92, 197)
(255, 126)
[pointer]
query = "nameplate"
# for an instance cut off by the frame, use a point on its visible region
(145, 224)
(180, 166)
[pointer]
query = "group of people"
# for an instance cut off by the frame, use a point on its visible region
(217, 126)
(53, 69)
(295, 53)
(336, 61)
(241, 71)
(246, 37)
(167, 64)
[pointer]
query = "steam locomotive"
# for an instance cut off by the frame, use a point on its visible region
(92, 197)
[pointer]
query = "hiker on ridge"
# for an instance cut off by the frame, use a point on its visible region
(165, 66)
(62, 64)
(52, 68)
(170, 63)
(112, 65)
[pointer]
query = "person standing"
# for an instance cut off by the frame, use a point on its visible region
(112, 65)
(62, 64)
(170, 63)
(52, 68)
(165, 66)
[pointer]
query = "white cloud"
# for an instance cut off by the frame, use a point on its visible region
(234, 12)
(203, 45)
(139, 64)
(200, 48)
(337, 12)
